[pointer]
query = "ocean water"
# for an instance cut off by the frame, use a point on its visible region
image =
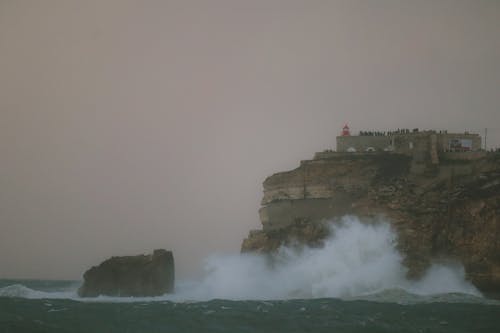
(355, 283)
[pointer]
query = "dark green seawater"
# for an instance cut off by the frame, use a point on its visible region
(52, 306)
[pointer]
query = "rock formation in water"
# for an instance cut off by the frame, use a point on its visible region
(142, 275)
(449, 210)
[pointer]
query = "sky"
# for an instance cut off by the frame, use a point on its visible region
(127, 126)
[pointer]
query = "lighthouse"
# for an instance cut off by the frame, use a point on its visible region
(345, 130)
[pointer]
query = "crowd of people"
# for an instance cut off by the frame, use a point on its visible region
(384, 133)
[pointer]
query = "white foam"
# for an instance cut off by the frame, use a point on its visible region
(441, 279)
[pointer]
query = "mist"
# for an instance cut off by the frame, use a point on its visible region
(357, 260)
(127, 126)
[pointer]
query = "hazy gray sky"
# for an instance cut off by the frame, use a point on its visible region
(132, 125)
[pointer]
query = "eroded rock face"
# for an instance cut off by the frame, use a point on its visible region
(445, 211)
(142, 275)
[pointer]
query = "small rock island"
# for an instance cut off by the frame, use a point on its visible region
(440, 191)
(138, 276)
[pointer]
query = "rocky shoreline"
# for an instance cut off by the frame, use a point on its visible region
(449, 211)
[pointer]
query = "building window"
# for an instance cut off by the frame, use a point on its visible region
(460, 145)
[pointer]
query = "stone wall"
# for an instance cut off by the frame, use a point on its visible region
(361, 143)
(463, 156)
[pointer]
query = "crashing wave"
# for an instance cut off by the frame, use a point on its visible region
(358, 261)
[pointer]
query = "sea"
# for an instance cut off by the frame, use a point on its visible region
(355, 283)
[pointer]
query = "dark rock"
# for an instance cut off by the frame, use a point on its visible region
(142, 275)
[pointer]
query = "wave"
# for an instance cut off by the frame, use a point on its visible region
(19, 290)
(358, 261)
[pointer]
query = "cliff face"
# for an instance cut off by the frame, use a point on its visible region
(449, 210)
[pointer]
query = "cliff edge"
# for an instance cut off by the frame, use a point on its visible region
(449, 210)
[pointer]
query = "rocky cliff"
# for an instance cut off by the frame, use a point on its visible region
(449, 210)
(142, 275)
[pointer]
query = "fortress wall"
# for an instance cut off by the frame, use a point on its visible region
(424, 147)
(401, 140)
(463, 156)
(361, 143)
(406, 144)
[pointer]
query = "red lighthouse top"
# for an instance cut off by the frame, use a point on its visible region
(345, 130)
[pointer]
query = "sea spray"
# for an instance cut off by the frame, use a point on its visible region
(358, 259)
(442, 279)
